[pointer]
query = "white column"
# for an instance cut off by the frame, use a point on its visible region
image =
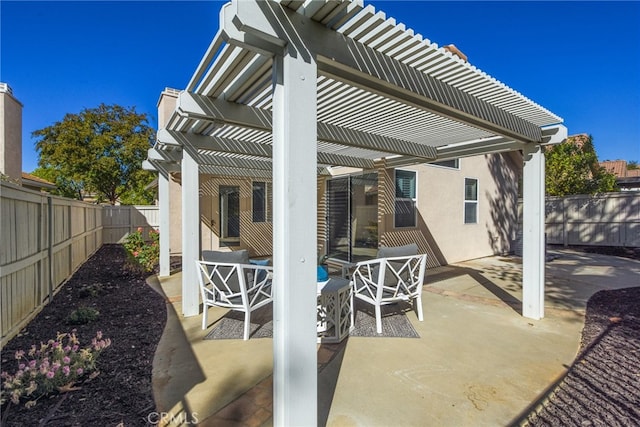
(190, 235)
(163, 199)
(294, 242)
(533, 248)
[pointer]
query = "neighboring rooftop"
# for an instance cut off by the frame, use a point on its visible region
(619, 169)
(36, 183)
(627, 179)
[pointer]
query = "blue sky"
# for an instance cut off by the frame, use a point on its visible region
(581, 60)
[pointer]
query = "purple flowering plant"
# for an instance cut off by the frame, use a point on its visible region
(54, 366)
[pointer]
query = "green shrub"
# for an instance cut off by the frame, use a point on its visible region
(83, 315)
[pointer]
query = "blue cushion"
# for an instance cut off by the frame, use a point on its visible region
(263, 262)
(323, 275)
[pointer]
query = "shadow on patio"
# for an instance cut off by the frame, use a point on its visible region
(477, 361)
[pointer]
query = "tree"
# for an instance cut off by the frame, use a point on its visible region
(632, 165)
(100, 152)
(572, 168)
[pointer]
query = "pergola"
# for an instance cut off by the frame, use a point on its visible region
(290, 88)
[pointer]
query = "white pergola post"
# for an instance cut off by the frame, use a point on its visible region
(294, 242)
(533, 248)
(190, 235)
(163, 199)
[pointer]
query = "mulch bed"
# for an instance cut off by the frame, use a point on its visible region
(132, 315)
(602, 386)
(633, 253)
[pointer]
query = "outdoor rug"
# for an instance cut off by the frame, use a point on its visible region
(394, 323)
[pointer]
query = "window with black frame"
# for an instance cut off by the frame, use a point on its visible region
(405, 200)
(259, 201)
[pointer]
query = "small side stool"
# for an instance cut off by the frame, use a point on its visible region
(335, 308)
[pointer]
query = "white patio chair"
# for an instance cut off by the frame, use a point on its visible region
(390, 279)
(241, 287)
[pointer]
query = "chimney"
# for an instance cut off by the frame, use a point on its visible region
(10, 134)
(453, 49)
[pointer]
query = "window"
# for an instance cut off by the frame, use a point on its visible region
(405, 203)
(452, 164)
(259, 201)
(470, 201)
(229, 213)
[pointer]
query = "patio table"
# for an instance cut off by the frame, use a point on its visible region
(335, 310)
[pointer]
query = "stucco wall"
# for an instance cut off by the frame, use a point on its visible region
(440, 201)
(440, 231)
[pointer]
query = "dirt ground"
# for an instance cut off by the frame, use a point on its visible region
(601, 389)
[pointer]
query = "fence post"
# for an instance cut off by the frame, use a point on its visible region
(50, 244)
(565, 234)
(130, 219)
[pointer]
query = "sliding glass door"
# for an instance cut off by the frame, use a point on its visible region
(338, 218)
(352, 217)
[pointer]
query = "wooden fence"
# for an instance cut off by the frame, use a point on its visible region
(611, 219)
(119, 221)
(44, 240)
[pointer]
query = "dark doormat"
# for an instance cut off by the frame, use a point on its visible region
(394, 323)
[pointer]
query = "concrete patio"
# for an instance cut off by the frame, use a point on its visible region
(477, 362)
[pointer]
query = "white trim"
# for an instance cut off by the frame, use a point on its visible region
(415, 199)
(295, 206)
(164, 209)
(465, 201)
(533, 232)
(190, 235)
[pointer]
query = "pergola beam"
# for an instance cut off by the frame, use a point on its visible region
(213, 143)
(234, 146)
(268, 28)
(201, 107)
(555, 134)
(237, 172)
(374, 142)
(474, 148)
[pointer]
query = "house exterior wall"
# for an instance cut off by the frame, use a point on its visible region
(10, 134)
(257, 237)
(440, 230)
